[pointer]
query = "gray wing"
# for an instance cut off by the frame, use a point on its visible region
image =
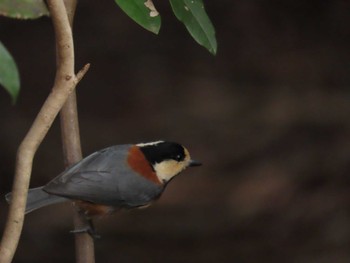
(104, 178)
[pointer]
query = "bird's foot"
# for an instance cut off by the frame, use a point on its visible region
(90, 229)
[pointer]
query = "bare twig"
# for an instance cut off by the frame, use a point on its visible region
(65, 83)
(84, 244)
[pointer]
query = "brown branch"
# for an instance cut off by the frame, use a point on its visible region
(84, 244)
(65, 83)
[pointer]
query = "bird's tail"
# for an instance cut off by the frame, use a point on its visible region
(38, 198)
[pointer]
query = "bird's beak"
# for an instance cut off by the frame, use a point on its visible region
(194, 163)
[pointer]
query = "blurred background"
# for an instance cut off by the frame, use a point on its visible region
(269, 117)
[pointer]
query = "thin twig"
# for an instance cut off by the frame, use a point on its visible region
(65, 83)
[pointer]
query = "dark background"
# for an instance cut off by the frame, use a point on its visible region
(268, 117)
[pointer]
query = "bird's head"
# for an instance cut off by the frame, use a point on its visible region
(168, 159)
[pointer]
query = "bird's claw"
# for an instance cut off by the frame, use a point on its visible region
(88, 230)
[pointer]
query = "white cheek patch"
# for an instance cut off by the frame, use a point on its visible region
(168, 169)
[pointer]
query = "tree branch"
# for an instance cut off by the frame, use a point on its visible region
(84, 244)
(65, 83)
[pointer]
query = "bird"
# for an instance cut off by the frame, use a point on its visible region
(118, 177)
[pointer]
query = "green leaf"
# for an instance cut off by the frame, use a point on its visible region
(197, 22)
(142, 12)
(9, 77)
(23, 9)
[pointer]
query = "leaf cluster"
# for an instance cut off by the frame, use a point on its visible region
(190, 12)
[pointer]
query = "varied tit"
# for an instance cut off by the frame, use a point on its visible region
(121, 176)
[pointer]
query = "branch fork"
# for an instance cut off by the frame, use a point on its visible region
(64, 86)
